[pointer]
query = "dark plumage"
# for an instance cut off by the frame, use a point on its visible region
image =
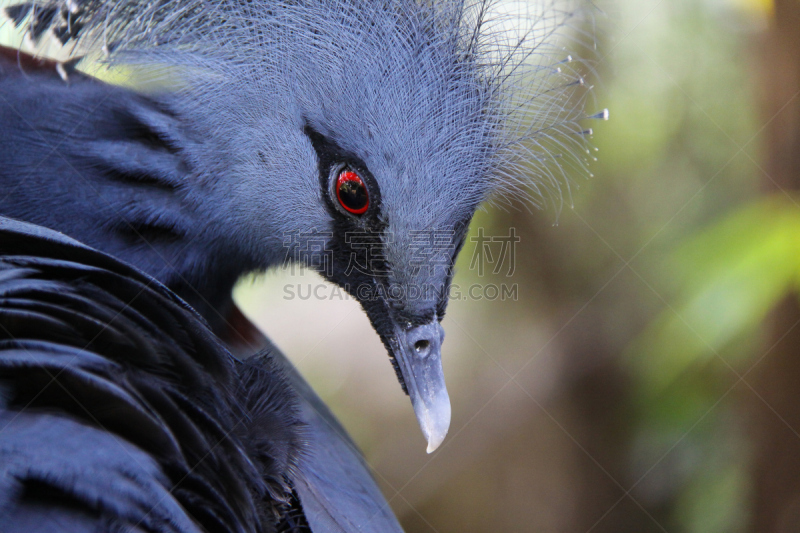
(121, 411)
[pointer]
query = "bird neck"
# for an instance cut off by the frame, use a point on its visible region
(112, 168)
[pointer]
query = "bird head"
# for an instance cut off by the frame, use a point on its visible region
(394, 256)
(355, 136)
(373, 169)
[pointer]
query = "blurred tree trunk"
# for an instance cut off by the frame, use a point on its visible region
(775, 401)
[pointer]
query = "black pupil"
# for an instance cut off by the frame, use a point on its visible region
(353, 194)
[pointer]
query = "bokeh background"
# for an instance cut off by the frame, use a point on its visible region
(647, 378)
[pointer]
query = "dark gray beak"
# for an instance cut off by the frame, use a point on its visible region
(418, 351)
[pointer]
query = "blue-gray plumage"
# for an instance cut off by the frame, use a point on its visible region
(120, 410)
(370, 130)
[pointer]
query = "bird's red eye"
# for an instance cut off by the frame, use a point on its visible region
(352, 192)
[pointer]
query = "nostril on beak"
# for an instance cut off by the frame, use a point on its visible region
(422, 347)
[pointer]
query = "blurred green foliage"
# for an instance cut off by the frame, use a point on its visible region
(730, 275)
(711, 256)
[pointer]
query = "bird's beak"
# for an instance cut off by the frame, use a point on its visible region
(418, 351)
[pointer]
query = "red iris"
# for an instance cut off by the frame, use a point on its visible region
(351, 191)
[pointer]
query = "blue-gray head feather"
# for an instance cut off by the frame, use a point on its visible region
(471, 92)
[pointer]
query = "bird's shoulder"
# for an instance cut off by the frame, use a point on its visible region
(119, 405)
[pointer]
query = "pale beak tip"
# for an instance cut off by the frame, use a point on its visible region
(433, 445)
(435, 427)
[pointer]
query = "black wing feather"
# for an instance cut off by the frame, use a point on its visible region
(97, 438)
